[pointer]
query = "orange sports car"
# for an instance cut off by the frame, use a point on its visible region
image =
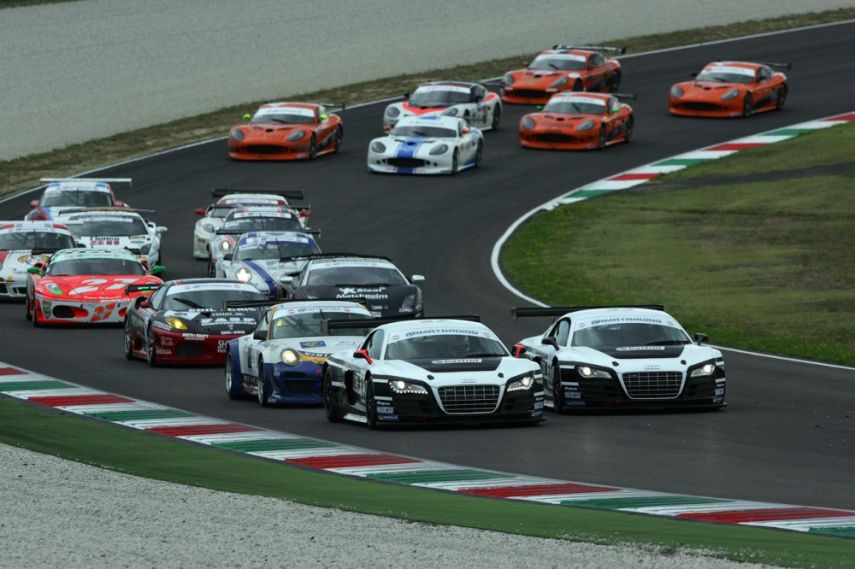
(562, 68)
(730, 89)
(286, 131)
(578, 121)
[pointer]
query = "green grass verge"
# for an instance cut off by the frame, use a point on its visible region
(25, 172)
(131, 452)
(767, 266)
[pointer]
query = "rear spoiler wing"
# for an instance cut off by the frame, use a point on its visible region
(327, 325)
(333, 107)
(142, 288)
(632, 96)
(228, 232)
(84, 209)
(552, 311)
(230, 304)
(786, 66)
(621, 49)
(288, 195)
(337, 255)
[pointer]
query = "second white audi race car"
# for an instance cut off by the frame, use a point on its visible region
(622, 357)
(429, 145)
(471, 102)
(431, 371)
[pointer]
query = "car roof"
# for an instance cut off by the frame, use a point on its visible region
(77, 186)
(93, 253)
(318, 306)
(572, 53)
(345, 261)
(739, 64)
(285, 105)
(450, 84)
(435, 121)
(428, 326)
(184, 285)
(45, 226)
(622, 314)
(259, 211)
(266, 236)
(261, 198)
(581, 96)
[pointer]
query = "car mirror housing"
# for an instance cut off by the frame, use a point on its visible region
(34, 271)
(162, 229)
(701, 338)
(260, 335)
(228, 256)
(34, 203)
(417, 279)
(549, 341)
(199, 211)
(157, 270)
(247, 116)
(363, 355)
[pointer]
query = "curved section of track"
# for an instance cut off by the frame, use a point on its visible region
(789, 434)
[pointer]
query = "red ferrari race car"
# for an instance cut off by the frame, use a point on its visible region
(286, 131)
(70, 193)
(186, 322)
(562, 68)
(730, 89)
(578, 121)
(85, 286)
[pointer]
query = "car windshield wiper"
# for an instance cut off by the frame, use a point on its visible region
(189, 303)
(667, 343)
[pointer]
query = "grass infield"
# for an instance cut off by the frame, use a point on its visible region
(140, 454)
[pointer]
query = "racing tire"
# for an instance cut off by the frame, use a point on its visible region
(601, 141)
(234, 389)
(558, 404)
(331, 408)
(339, 136)
(497, 117)
(630, 124)
(479, 155)
(150, 352)
(455, 162)
(313, 148)
(370, 405)
(37, 315)
(262, 386)
(29, 315)
(780, 97)
(128, 341)
(747, 105)
(614, 82)
(211, 271)
(578, 85)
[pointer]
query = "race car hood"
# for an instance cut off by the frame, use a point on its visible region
(270, 271)
(538, 78)
(503, 370)
(385, 300)
(318, 348)
(88, 288)
(707, 89)
(232, 321)
(458, 364)
(17, 261)
(214, 223)
(640, 358)
(409, 109)
(133, 242)
(558, 121)
(271, 132)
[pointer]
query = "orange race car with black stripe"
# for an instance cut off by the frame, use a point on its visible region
(562, 68)
(578, 121)
(731, 89)
(286, 131)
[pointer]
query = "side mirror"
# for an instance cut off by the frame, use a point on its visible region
(465, 130)
(324, 117)
(247, 116)
(363, 355)
(199, 211)
(538, 108)
(417, 279)
(406, 96)
(119, 203)
(81, 245)
(549, 341)
(701, 338)
(228, 256)
(157, 270)
(519, 350)
(286, 280)
(693, 75)
(34, 203)
(259, 335)
(142, 302)
(161, 229)
(34, 271)
(305, 213)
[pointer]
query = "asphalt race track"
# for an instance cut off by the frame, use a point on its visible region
(789, 433)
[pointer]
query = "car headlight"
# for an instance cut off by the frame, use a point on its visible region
(208, 227)
(452, 112)
(589, 372)
(732, 94)
(225, 246)
(53, 288)
(437, 150)
(527, 122)
(401, 387)
(561, 82)
(290, 357)
(392, 111)
(587, 125)
(295, 136)
(236, 134)
(704, 371)
(508, 80)
(411, 303)
(145, 249)
(176, 323)
(676, 91)
(521, 384)
(378, 147)
(243, 275)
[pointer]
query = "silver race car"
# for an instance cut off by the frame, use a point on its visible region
(23, 244)
(471, 102)
(115, 228)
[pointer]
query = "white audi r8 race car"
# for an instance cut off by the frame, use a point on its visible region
(116, 228)
(62, 193)
(430, 145)
(265, 259)
(229, 199)
(282, 361)
(622, 357)
(431, 370)
(471, 102)
(23, 244)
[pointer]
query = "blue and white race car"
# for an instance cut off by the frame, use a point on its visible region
(429, 145)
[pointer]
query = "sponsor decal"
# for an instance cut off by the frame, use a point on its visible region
(276, 111)
(222, 346)
(313, 344)
(641, 349)
(458, 361)
(447, 88)
(384, 410)
(374, 293)
(387, 418)
(440, 332)
(195, 337)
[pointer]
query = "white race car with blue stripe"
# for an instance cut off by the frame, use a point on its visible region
(427, 145)
(263, 258)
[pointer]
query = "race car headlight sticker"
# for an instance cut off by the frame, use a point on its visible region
(589, 372)
(527, 122)
(409, 304)
(53, 288)
(176, 323)
(145, 249)
(676, 91)
(437, 150)
(295, 136)
(392, 111)
(560, 83)
(732, 94)
(243, 275)
(378, 147)
(290, 357)
(705, 370)
(522, 384)
(508, 80)
(207, 227)
(236, 134)
(225, 246)
(452, 112)
(401, 387)
(587, 125)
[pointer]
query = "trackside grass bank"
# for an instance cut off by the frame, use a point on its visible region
(156, 457)
(759, 261)
(25, 172)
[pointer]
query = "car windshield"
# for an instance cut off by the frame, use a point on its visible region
(35, 240)
(363, 276)
(575, 108)
(282, 116)
(221, 211)
(629, 334)
(309, 324)
(725, 77)
(112, 226)
(438, 97)
(77, 198)
(276, 250)
(445, 346)
(104, 266)
(208, 298)
(556, 64)
(248, 224)
(424, 131)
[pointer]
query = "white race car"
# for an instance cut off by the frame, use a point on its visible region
(265, 258)
(116, 228)
(61, 193)
(471, 102)
(431, 370)
(282, 361)
(22, 245)
(229, 199)
(623, 357)
(431, 145)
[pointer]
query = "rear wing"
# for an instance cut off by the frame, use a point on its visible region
(230, 232)
(774, 65)
(333, 107)
(151, 287)
(339, 255)
(231, 304)
(621, 49)
(327, 325)
(632, 96)
(128, 181)
(84, 209)
(288, 195)
(552, 311)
